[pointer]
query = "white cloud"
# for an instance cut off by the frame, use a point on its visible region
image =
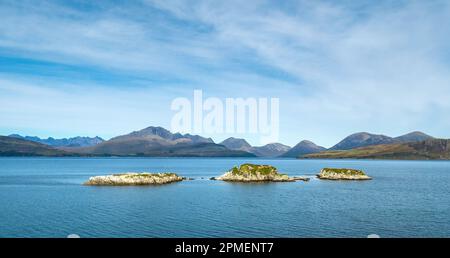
(70, 110)
(367, 67)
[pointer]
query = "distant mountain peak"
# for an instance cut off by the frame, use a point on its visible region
(415, 136)
(165, 135)
(236, 144)
(276, 144)
(77, 141)
(17, 146)
(157, 141)
(153, 130)
(302, 148)
(431, 149)
(417, 132)
(306, 142)
(270, 150)
(362, 139)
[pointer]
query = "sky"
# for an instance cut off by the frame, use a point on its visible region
(107, 68)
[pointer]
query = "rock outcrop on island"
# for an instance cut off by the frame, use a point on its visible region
(342, 174)
(256, 173)
(134, 179)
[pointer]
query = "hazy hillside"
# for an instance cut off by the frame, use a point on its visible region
(65, 142)
(161, 133)
(413, 137)
(157, 141)
(362, 139)
(11, 146)
(367, 139)
(429, 149)
(236, 144)
(302, 148)
(270, 150)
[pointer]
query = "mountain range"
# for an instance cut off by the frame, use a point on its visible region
(302, 148)
(65, 142)
(366, 139)
(159, 142)
(12, 146)
(431, 149)
(270, 150)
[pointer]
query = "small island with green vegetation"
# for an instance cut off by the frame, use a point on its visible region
(257, 173)
(134, 179)
(342, 174)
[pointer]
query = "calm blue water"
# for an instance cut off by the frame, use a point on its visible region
(44, 197)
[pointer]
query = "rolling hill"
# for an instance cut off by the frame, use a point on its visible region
(236, 144)
(11, 146)
(413, 137)
(361, 140)
(159, 142)
(302, 148)
(270, 150)
(64, 142)
(432, 149)
(364, 139)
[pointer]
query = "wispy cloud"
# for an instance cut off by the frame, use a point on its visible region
(338, 67)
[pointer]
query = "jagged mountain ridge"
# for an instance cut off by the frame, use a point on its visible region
(77, 141)
(364, 139)
(157, 141)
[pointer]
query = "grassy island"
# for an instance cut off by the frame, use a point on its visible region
(252, 169)
(134, 179)
(342, 174)
(256, 173)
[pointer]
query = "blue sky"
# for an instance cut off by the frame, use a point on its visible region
(110, 67)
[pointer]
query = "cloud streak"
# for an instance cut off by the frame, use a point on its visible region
(336, 67)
